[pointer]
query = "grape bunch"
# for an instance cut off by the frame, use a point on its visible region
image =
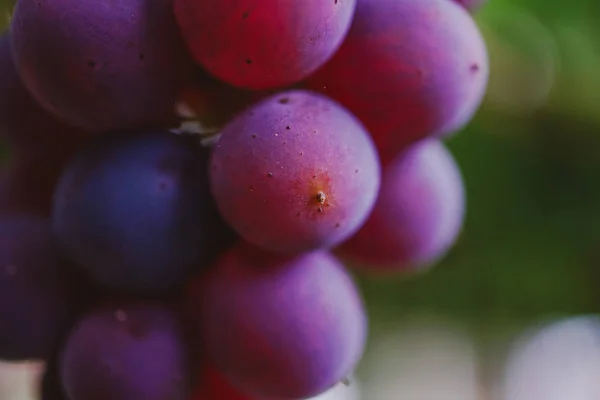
(188, 180)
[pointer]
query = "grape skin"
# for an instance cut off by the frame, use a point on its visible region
(34, 305)
(212, 386)
(22, 121)
(131, 352)
(135, 211)
(279, 327)
(295, 172)
(103, 64)
(418, 214)
(426, 64)
(263, 44)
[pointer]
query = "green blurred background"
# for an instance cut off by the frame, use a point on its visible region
(530, 249)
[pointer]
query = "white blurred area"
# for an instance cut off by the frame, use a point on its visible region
(422, 360)
(19, 381)
(559, 361)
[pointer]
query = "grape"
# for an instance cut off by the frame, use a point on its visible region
(133, 352)
(295, 172)
(136, 212)
(102, 64)
(33, 294)
(22, 120)
(265, 44)
(426, 64)
(418, 214)
(279, 327)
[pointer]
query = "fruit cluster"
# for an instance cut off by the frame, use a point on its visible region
(146, 260)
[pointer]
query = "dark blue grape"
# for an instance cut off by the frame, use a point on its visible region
(135, 211)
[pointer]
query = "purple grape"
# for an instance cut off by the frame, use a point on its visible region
(408, 70)
(100, 65)
(133, 352)
(263, 44)
(34, 304)
(22, 120)
(135, 211)
(418, 214)
(279, 327)
(295, 172)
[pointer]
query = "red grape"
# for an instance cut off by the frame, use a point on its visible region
(418, 214)
(295, 172)
(263, 44)
(408, 69)
(278, 327)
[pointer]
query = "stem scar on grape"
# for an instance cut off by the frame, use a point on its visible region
(321, 197)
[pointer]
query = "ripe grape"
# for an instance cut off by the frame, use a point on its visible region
(264, 44)
(418, 214)
(34, 306)
(295, 172)
(133, 352)
(22, 120)
(279, 327)
(426, 64)
(135, 211)
(101, 64)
